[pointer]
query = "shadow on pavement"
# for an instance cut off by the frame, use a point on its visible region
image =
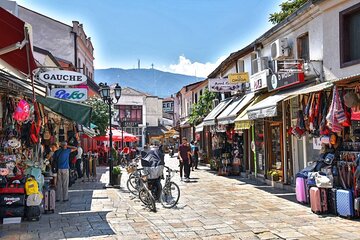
(83, 216)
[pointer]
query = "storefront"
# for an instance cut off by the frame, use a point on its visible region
(214, 134)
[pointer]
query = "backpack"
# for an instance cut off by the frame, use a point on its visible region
(31, 186)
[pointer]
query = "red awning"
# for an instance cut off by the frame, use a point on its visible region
(12, 32)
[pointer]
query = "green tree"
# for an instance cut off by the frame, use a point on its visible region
(100, 114)
(202, 107)
(287, 8)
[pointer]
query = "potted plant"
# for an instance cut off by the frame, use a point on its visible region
(116, 176)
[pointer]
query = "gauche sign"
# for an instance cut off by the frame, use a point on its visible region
(62, 77)
(71, 94)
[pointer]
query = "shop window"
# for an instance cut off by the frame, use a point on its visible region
(303, 47)
(259, 146)
(349, 21)
(84, 68)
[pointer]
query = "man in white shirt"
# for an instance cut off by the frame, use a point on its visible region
(78, 161)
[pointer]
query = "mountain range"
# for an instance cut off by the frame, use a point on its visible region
(151, 81)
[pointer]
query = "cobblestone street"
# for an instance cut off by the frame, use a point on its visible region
(210, 207)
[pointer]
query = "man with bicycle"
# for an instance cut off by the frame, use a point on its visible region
(185, 159)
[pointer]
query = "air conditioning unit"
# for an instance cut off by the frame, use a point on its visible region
(259, 64)
(215, 102)
(280, 49)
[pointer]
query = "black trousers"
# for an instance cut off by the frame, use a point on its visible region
(187, 167)
(181, 166)
(78, 168)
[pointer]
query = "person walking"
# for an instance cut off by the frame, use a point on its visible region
(62, 158)
(194, 154)
(185, 159)
(79, 154)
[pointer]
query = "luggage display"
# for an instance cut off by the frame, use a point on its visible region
(7, 212)
(12, 188)
(34, 199)
(31, 186)
(33, 213)
(12, 200)
(344, 203)
(301, 190)
(49, 201)
(318, 200)
(332, 201)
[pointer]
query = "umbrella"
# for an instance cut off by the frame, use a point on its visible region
(117, 136)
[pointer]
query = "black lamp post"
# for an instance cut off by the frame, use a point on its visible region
(106, 97)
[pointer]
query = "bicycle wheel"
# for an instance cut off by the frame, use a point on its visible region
(170, 195)
(146, 198)
(132, 185)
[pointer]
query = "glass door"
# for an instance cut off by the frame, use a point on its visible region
(276, 165)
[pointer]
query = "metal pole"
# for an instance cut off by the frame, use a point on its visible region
(122, 134)
(110, 149)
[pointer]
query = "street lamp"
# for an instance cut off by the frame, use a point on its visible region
(106, 97)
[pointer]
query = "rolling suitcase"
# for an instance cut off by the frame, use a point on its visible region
(344, 203)
(49, 201)
(301, 190)
(332, 201)
(33, 213)
(318, 200)
(12, 200)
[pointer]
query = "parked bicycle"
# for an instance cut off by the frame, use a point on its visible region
(145, 194)
(170, 193)
(133, 182)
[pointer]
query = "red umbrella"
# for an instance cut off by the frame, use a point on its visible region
(117, 136)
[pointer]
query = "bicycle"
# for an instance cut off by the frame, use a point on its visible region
(170, 193)
(133, 182)
(145, 194)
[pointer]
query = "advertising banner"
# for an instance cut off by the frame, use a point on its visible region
(223, 85)
(62, 77)
(71, 94)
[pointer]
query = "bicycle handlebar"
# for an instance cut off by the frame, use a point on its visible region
(170, 170)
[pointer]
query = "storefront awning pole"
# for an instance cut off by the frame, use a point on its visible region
(30, 75)
(285, 173)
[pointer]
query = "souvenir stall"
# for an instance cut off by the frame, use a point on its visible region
(331, 184)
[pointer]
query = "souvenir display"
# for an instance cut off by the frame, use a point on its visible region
(26, 132)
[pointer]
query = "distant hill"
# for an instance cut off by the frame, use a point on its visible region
(152, 81)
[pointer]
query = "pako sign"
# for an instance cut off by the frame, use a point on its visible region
(63, 78)
(71, 94)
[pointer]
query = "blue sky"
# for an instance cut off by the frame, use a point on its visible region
(183, 36)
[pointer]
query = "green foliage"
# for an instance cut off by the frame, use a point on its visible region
(202, 107)
(116, 170)
(100, 114)
(287, 8)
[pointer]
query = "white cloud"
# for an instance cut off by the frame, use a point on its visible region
(185, 66)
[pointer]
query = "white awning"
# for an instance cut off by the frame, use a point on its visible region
(312, 89)
(210, 118)
(229, 114)
(185, 123)
(200, 127)
(268, 106)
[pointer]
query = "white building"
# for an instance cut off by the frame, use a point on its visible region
(137, 111)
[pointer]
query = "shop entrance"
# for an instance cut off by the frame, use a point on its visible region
(275, 155)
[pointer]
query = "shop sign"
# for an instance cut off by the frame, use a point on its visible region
(223, 85)
(289, 73)
(258, 80)
(242, 77)
(71, 94)
(62, 77)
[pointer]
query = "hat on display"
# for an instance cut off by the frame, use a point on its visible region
(13, 143)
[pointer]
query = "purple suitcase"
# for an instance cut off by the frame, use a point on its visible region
(49, 201)
(318, 200)
(301, 190)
